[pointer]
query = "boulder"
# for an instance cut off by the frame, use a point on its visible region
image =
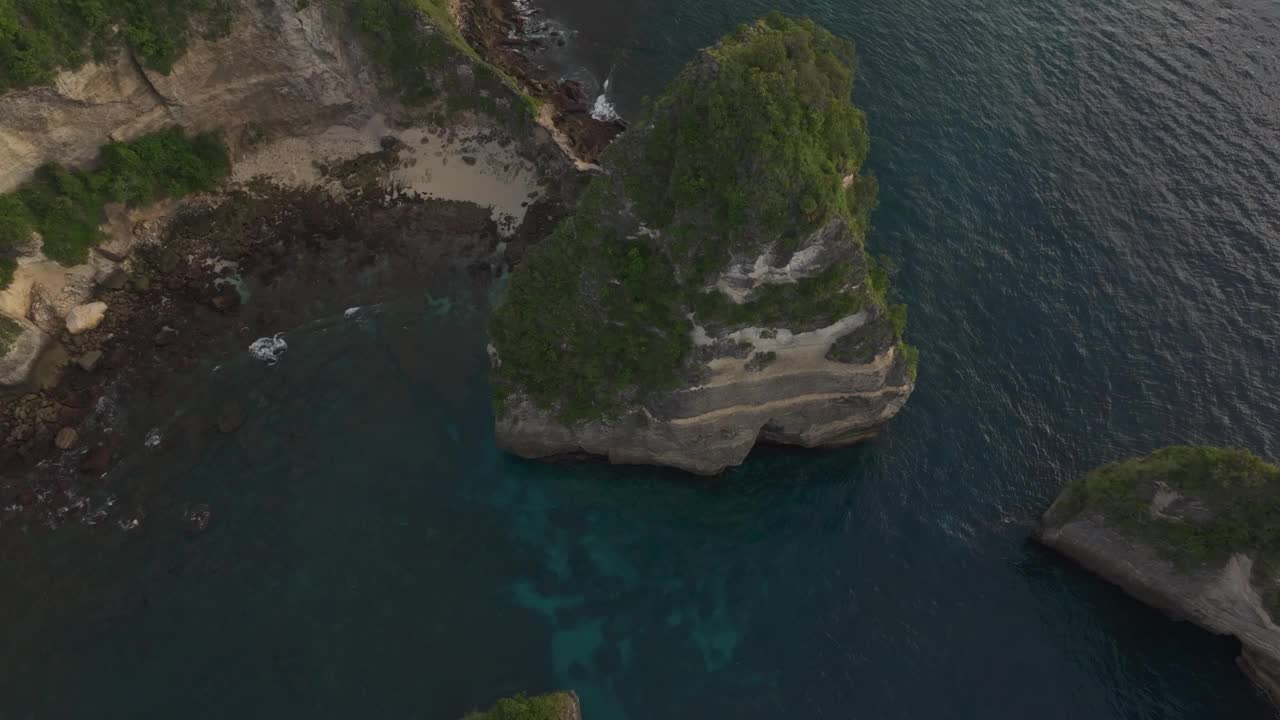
(84, 318)
(89, 360)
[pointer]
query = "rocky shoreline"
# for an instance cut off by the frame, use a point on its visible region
(317, 217)
(181, 301)
(499, 30)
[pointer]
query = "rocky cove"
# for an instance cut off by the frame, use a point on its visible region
(332, 185)
(333, 136)
(341, 197)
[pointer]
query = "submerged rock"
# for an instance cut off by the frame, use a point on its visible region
(66, 439)
(89, 360)
(231, 418)
(96, 461)
(1192, 531)
(728, 224)
(196, 520)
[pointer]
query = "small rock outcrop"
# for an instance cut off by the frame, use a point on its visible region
(551, 706)
(712, 289)
(1192, 531)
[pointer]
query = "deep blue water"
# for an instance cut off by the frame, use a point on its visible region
(1082, 200)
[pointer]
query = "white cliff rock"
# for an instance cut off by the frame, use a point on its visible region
(84, 318)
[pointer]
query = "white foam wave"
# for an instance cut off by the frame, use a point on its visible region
(269, 349)
(603, 110)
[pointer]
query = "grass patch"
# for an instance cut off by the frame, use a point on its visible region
(553, 706)
(66, 206)
(748, 151)
(40, 37)
(1238, 506)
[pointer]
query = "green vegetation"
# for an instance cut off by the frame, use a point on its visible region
(911, 355)
(761, 360)
(752, 142)
(574, 339)
(1232, 505)
(553, 706)
(40, 37)
(9, 331)
(755, 146)
(66, 206)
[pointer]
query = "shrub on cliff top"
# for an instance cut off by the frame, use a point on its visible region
(748, 150)
(66, 206)
(40, 37)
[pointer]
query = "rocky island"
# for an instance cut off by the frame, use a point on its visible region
(712, 289)
(1192, 531)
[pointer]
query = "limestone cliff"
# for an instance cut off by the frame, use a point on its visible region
(1192, 531)
(712, 289)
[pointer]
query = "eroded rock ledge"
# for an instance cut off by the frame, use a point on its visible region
(1191, 531)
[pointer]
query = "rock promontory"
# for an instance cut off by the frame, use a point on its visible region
(713, 289)
(1192, 531)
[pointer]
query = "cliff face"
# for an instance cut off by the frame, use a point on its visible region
(712, 289)
(278, 67)
(1190, 531)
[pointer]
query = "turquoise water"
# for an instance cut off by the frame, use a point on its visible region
(1081, 199)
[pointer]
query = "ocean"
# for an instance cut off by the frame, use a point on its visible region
(1081, 200)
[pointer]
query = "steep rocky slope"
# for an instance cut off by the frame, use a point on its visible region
(1193, 531)
(712, 289)
(278, 66)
